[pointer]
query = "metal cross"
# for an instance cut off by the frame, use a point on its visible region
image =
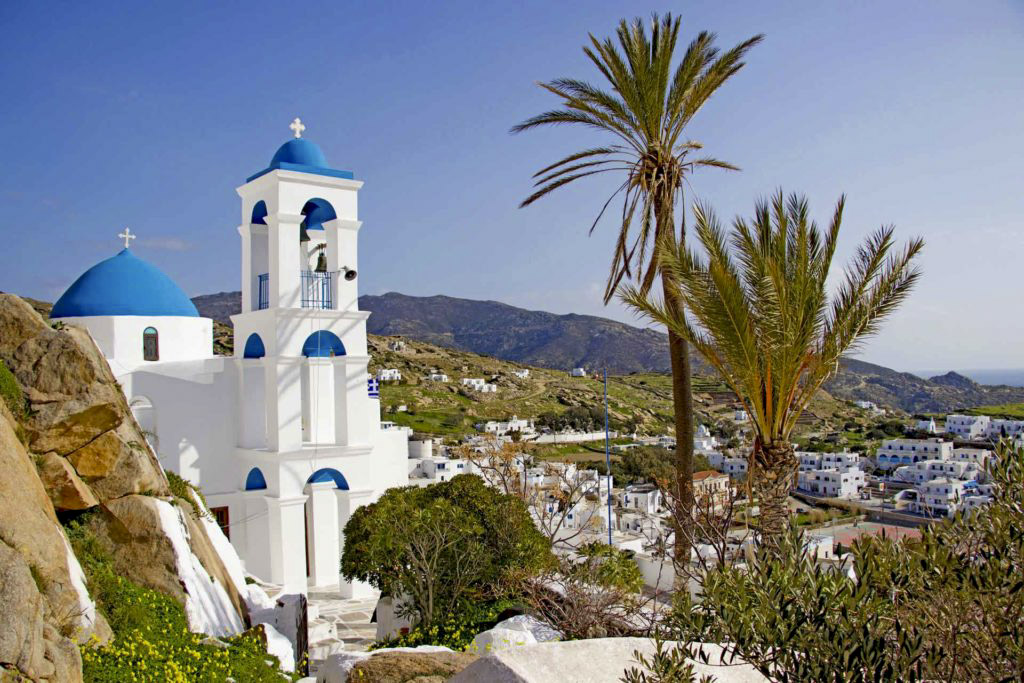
(297, 127)
(127, 236)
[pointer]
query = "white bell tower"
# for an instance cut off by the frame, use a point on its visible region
(306, 402)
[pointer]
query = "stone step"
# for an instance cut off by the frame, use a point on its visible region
(312, 611)
(321, 629)
(320, 651)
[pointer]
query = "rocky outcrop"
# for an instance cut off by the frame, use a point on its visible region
(79, 448)
(44, 612)
(598, 660)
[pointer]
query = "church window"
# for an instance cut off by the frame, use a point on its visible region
(223, 519)
(150, 344)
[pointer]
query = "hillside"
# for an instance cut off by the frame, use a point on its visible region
(561, 342)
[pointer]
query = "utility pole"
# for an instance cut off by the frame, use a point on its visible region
(607, 456)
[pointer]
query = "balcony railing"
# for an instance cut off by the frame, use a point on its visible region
(316, 289)
(263, 298)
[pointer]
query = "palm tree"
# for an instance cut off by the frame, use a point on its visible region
(646, 112)
(759, 312)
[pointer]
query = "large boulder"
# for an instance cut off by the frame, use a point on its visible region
(599, 660)
(77, 408)
(424, 664)
(501, 638)
(28, 525)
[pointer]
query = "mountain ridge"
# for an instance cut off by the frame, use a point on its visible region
(564, 341)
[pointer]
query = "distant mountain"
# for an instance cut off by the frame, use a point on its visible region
(565, 341)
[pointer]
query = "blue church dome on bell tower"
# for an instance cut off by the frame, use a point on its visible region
(300, 154)
(123, 285)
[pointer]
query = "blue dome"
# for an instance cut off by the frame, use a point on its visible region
(299, 151)
(123, 285)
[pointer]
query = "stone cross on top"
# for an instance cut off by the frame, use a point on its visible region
(297, 127)
(127, 236)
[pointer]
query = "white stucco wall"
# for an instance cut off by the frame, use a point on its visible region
(119, 337)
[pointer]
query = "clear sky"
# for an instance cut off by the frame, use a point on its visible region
(150, 116)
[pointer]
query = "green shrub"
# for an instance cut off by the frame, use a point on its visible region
(610, 567)
(152, 641)
(11, 393)
(443, 546)
(454, 630)
(182, 488)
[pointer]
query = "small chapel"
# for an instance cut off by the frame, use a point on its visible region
(284, 438)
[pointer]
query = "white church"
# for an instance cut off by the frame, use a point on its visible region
(285, 438)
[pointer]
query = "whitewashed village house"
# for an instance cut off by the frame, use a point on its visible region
(284, 438)
(389, 375)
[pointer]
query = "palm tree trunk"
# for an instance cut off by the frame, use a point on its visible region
(773, 467)
(682, 401)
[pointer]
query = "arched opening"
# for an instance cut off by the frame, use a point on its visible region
(259, 213)
(254, 347)
(322, 344)
(325, 474)
(254, 481)
(317, 212)
(323, 524)
(150, 344)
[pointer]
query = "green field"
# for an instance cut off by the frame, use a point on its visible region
(1010, 411)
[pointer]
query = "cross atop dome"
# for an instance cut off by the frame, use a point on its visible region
(297, 127)
(127, 236)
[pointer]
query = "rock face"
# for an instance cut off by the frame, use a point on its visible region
(42, 611)
(424, 664)
(78, 448)
(600, 660)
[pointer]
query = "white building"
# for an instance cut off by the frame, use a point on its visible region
(514, 424)
(389, 375)
(927, 470)
(978, 456)
(927, 426)
(522, 373)
(833, 483)
(643, 497)
(968, 427)
(578, 372)
(734, 466)
(815, 461)
(1009, 429)
(939, 497)
(896, 452)
(440, 468)
(285, 437)
(740, 416)
(437, 377)
(479, 384)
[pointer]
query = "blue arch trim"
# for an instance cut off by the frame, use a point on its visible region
(254, 347)
(322, 344)
(255, 481)
(317, 212)
(328, 474)
(259, 213)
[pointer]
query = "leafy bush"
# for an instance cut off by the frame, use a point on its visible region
(182, 488)
(453, 630)
(444, 547)
(945, 607)
(152, 641)
(610, 567)
(10, 392)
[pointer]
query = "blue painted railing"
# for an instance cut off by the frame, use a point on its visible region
(316, 289)
(263, 297)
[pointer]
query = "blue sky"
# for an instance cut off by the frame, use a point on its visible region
(150, 115)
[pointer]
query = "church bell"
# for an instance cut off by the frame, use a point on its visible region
(321, 263)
